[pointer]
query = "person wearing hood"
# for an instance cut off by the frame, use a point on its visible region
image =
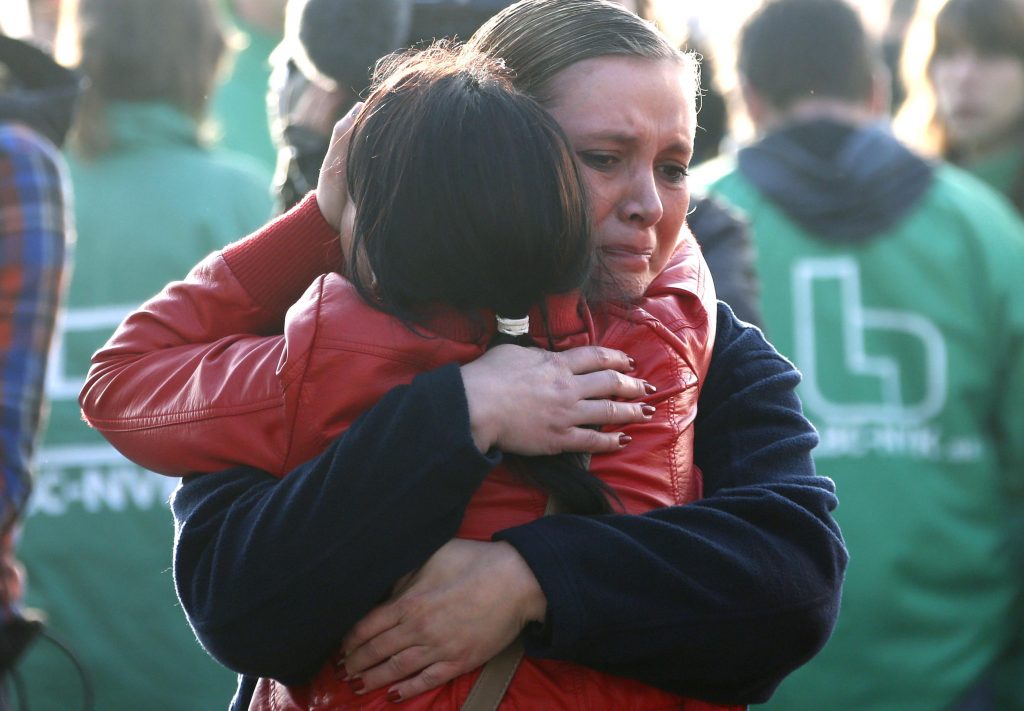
(894, 287)
(37, 100)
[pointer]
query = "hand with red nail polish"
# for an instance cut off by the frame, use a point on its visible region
(466, 604)
(530, 401)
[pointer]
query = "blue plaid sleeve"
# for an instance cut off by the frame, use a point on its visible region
(33, 229)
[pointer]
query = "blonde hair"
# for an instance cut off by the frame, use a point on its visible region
(539, 38)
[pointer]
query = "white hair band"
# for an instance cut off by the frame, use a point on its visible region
(513, 326)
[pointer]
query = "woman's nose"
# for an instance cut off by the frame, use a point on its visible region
(642, 203)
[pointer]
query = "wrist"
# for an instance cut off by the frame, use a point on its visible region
(531, 602)
(482, 417)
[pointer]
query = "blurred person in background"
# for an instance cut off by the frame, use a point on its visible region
(320, 69)
(323, 65)
(966, 61)
(37, 98)
(151, 199)
(895, 288)
(965, 64)
(239, 102)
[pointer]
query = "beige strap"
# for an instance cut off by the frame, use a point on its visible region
(491, 685)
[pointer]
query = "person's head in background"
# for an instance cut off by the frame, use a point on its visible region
(166, 51)
(336, 43)
(324, 64)
(810, 59)
(626, 98)
(466, 193)
(965, 63)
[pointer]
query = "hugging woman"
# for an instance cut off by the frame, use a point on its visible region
(716, 596)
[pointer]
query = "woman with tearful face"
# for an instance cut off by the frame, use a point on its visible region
(715, 597)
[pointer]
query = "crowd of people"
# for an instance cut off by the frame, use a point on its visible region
(509, 371)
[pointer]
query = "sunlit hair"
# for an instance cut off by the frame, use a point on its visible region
(467, 197)
(536, 39)
(140, 50)
(942, 27)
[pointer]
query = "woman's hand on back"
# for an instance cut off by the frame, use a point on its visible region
(468, 602)
(533, 402)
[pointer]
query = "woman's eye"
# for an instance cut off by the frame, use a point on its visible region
(675, 173)
(600, 161)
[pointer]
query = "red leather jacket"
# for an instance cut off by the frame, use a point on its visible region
(179, 390)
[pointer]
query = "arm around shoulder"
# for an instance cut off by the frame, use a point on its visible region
(266, 569)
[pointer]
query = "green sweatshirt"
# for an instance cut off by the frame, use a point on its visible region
(97, 543)
(910, 338)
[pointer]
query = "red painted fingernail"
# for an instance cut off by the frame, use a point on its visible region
(650, 388)
(356, 684)
(648, 410)
(394, 696)
(340, 672)
(632, 363)
(624, 439)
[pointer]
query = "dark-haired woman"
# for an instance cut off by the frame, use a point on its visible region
(718, 599)
(967, 101)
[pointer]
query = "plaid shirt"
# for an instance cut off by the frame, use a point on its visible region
(34, 224)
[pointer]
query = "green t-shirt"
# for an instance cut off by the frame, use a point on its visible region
(239, 104)
(1001, 172)
(911, 346)
(97, 540)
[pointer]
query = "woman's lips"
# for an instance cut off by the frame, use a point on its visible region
(627, 258)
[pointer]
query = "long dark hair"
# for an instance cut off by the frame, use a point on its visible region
(468, 198)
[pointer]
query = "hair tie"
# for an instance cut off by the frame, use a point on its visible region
(514, 326)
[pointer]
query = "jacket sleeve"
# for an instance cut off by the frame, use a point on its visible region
(162, 383)
(722, 598)
(272, 572)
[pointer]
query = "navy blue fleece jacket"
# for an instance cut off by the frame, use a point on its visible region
(718, 599)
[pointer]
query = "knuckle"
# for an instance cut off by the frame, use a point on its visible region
(610, 408)
(375, 650)
(432, 677)
(592, 439)
(399, 664)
